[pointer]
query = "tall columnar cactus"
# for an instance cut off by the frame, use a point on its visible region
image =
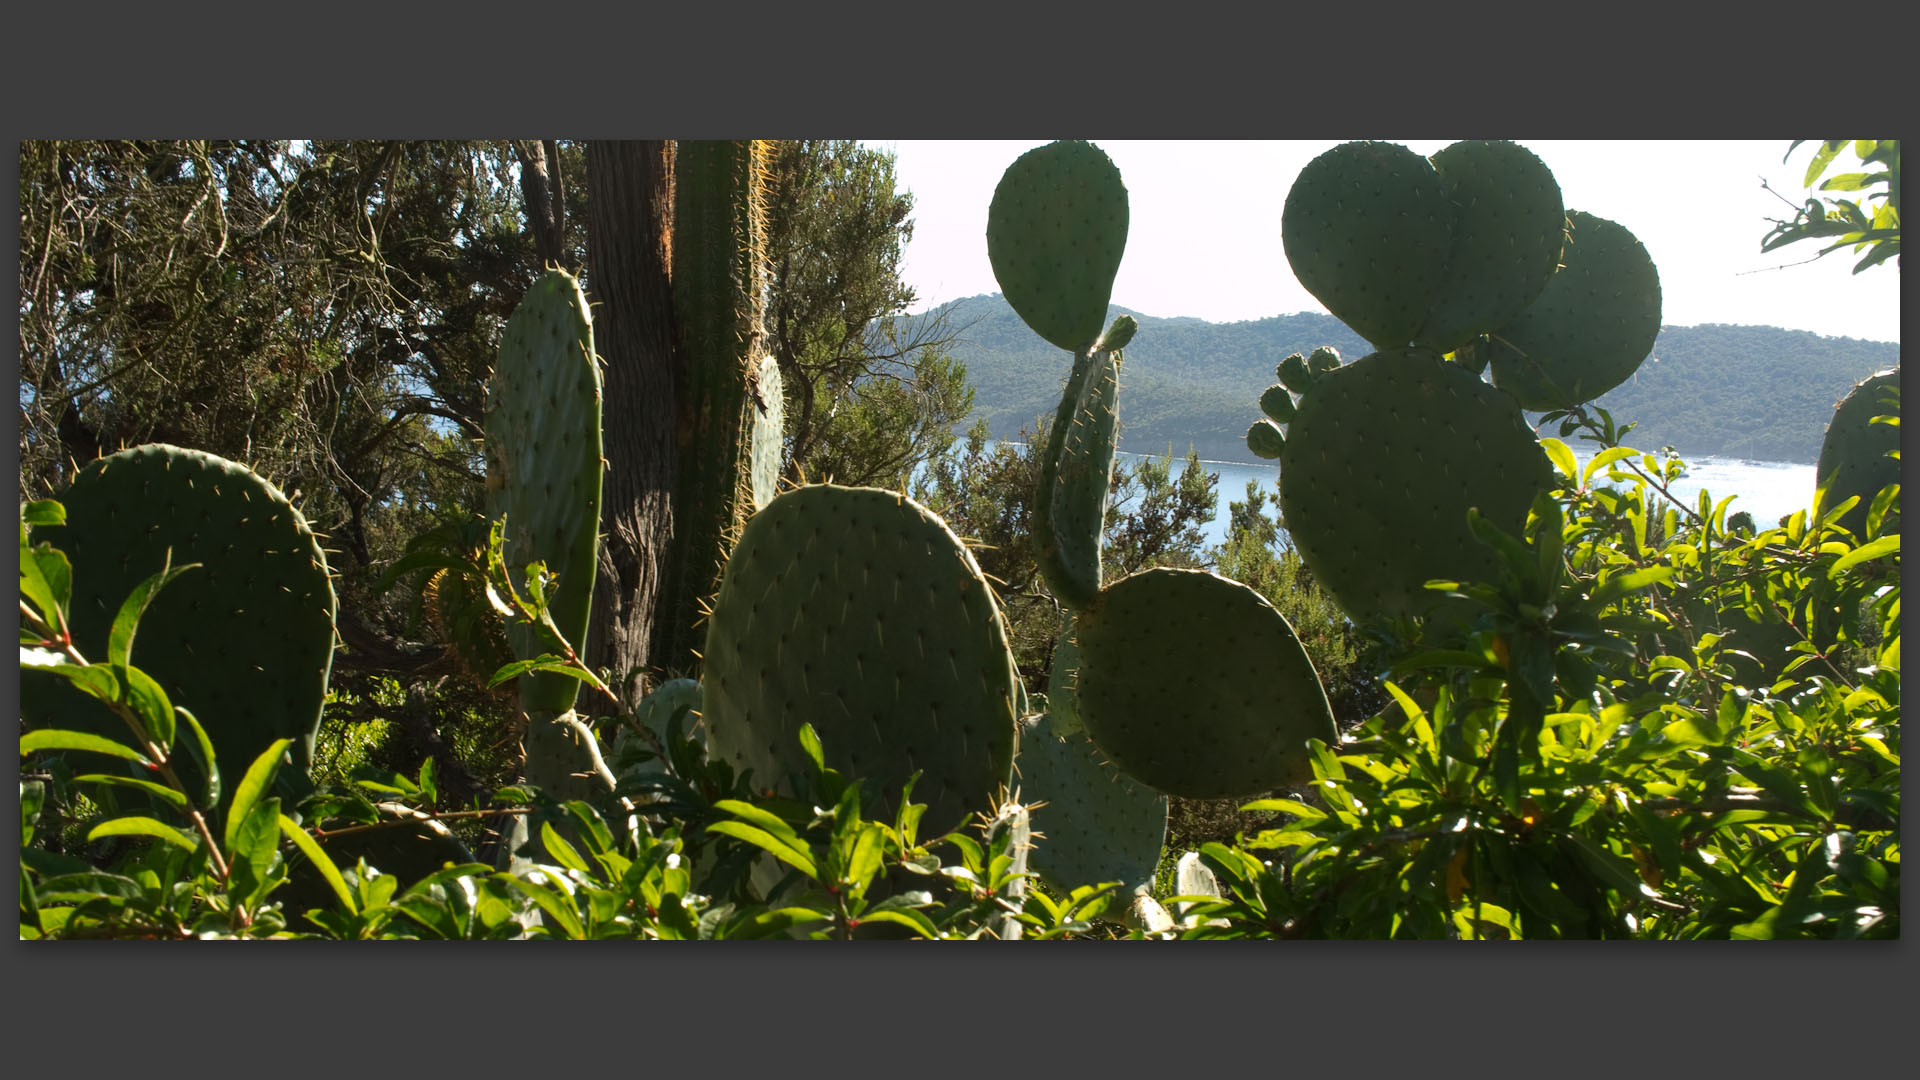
(543, 452)
(729, 408)
(1853, 455)
(857, 611)
(244, 641)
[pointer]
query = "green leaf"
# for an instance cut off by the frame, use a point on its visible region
(148, 702)
(143, 826)
(46, 578)
(1603, 459)
(1621, 584)
(321, 861)
(259, 776)
(1886, 545)
(779, 849)
(562, 852)
(1562, 457)
(545, 662)
(127, 620)
(159, 791)
(251, 852)
(555, 903)
(810, 743)
(864, 862)
(907, 917)
(43, 512)
(200, 748)
(95, 680)
(57, 739)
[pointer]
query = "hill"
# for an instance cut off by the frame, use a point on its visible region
(1754, 392)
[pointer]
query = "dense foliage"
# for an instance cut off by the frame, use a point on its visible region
(1651, 721)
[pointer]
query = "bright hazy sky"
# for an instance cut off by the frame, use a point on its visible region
(1204, 227)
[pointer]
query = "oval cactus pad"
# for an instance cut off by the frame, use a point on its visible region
(1195, 685)
(1853, 455)
(244, 641)
(1590, 328)
(1508, 229)
(1096, 823)
(1367, 229)
(857, 611)
(1382, 461)
(1056, 229)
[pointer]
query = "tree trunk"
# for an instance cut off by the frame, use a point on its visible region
(630, 229)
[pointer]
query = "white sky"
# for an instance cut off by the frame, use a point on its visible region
(1204, 227)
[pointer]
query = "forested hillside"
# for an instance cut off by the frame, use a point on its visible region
(1755, 392)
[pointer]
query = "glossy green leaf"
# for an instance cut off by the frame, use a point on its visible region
(562, 852)
(555, 902)
(158, 791)
(321, 861)
(127, 621)
(148, 702)
(251, 787)
(1562, 457)
(1603, 459)
(46, 579)
(200, 749)
(251, 852)
(779, 849)
(143, 826)
(1632, 580)
(1875, 549)
(58, 739)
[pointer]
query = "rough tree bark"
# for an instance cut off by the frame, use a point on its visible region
(629, 237)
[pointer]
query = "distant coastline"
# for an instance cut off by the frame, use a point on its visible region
(1753, 393)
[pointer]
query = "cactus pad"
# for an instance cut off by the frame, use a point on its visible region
(1277, 403)
(1075, 476)
(1195, 685)
(1508, 229)
(244, 642)
(1265, 440)
(857, 611)
(1097, 824)
(1367, 229)
(1382, 461)
(1853, 455)
(1590, 328)
(543, 449)
(1056, 230)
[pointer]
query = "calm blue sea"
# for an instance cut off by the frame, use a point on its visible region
(1769, 490)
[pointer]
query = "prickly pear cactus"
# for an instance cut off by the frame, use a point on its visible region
(1853, 455)
(1077, 471)
(1056, 229)
(1508, 230)
(1382, 461)
(1197, 686)
(1590, 328)
(244, 642)
(1098, 823)
(857, 611)
(655, 712)
(545, 467)
(1368, 229)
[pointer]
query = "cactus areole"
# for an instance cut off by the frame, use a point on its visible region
(857, 611)
(1194, 684)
